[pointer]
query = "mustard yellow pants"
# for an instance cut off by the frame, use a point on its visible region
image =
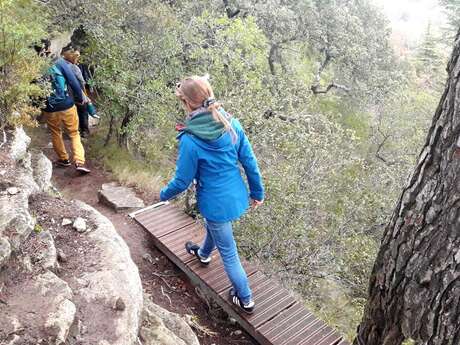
(69, 120)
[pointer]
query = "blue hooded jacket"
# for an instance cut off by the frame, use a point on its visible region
(222, 194)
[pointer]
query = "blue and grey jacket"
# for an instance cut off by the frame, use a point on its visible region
(62, 77)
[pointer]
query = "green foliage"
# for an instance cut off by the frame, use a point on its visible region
(38, 228)
(430, 61)
(22, 24)
(452, 11)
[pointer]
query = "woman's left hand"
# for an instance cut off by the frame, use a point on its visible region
(256, 203)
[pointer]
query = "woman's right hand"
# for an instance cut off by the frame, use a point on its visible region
(256, 203)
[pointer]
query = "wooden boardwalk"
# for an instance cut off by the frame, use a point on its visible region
(278, 319)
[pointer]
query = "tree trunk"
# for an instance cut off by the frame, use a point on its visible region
(110, 131)
(123, 138)
(414, 290)
(271, 58)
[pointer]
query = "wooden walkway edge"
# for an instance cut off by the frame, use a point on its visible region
(278, 319)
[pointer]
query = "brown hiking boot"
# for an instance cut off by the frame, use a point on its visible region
(82, 168)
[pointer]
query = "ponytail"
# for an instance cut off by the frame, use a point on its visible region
(215, 109)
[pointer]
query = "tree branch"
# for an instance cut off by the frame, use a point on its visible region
(315, 88)
(230, 14)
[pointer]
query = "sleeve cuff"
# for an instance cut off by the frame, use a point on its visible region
(259, 196)
(162, 196)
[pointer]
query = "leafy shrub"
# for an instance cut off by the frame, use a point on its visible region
(22, 24)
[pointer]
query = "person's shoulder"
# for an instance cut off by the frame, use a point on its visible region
(185, 138)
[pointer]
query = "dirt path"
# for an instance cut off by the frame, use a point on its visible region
(168, 286)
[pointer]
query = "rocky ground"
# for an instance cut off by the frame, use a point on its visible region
(164, 286)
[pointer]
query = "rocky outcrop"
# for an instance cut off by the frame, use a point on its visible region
(16, 186)
(38, 311)
(116, 278)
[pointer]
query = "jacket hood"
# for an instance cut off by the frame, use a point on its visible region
(221, 144)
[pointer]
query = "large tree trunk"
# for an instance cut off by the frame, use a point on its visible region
(414, 290)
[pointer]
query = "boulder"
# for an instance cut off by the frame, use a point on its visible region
(5, 251)
(47, 256)
(59, 322)
(161, 327)
(42, 171)
(119, 198)
(16, 223)
(19, 144)
(38, 308)
(115, 277)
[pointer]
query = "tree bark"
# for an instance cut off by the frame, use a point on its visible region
(271, 58)
(110, 131)
(414, 290)
(123, 138)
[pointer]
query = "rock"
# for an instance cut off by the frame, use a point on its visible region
(48, 253)
(79, 224)
(118, 197)
(163, 327)
(12, 191)
(115, 276)
(36, 305)
(61, 256)
(58, 323)
(119, 304)
(5, 251)
(20, 227)
(66, 221)
(42, 171)
(19, 144)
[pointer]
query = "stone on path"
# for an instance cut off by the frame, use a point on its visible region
(119, 197)
(79, 224)
(66, 221)
(12, 191)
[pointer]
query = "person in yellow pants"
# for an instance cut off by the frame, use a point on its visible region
(69, 120)
(61, 112)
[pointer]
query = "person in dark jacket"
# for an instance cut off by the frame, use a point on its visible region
(212, 147)
(72, 56)
(61, 112)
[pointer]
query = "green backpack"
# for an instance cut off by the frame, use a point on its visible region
(59, 90)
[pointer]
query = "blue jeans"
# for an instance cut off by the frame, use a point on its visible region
(220, 235)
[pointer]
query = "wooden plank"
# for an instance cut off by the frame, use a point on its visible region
(278, 319)
(163, 220)
(331, 338)
(282, 320)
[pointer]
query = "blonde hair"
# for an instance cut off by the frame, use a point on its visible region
(197, 93)
(71, 55)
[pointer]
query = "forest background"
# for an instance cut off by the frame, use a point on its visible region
(335, 106)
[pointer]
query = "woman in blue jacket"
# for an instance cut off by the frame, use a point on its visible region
(212, 147)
